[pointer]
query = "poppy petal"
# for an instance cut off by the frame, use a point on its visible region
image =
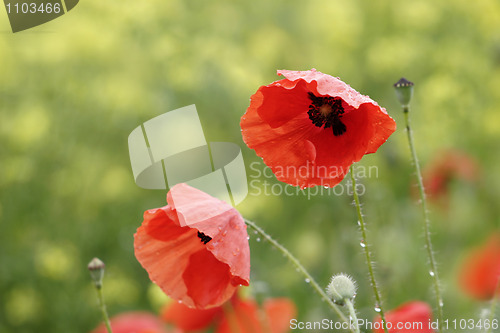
(279, 312)
(196, 249)
(242, 318)
(133, 322)
(411, 317)
(480, 273)
(189, 319)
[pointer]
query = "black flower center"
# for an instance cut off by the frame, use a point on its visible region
(327, 112)
(204, 238)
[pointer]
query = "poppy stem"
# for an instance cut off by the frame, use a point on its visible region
(308, 278)
(102, 306)
(366, 248)
(352, 313)
(96, 269)
(428, 242)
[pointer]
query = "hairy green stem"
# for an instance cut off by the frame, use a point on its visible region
(366, 248)
(427, 233)
(308, 278)
(102, 306)
(352, 313)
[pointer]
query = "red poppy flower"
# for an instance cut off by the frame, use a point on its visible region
(480, 273)
(134, 322)
(195, 248)
(237, 315)
(310, 127)
(443, 170)
(413, 316)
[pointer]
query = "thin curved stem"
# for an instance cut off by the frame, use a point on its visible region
(366, 249)
(427, 233)
(299, 267)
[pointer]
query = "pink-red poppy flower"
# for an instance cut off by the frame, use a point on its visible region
(310, 127)
(134, 322)
(447, 167)
(195, 248)
(480, 272)
(413, 316)
(236, 315)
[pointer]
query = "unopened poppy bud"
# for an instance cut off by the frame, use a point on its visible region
(404, 91)
(341, 288)
(96, 269)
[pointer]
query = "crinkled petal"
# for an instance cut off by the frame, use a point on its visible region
(327, 85)
(281, 101)
(221, 222)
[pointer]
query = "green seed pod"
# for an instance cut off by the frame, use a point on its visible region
(404, 91)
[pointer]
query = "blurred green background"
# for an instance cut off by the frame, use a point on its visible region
(73, 89)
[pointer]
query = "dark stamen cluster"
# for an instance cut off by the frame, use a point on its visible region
(204, 238)
(332, 118)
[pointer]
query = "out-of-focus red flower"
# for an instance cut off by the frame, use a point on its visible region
(237, 315)
(444, 169)
(413, 316)
(480, 272)
(195, 248)
(134, 322)
(310, 127)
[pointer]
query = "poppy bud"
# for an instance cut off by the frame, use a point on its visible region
(404, 91)
(341, 288)
(96, 268)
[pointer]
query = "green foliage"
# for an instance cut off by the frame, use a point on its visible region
(72, 90)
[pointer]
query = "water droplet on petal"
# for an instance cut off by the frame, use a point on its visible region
(248, 237)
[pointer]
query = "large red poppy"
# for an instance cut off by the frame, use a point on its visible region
(480, 273)
(310, 127)
(413, 316)
(236, 315)
(134, 322)
(195, 248)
